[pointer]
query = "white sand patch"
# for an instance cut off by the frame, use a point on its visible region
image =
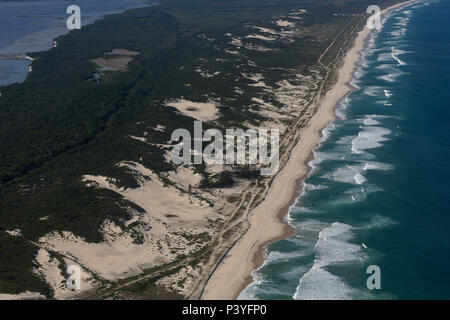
(236, 42)
(157, 198)
(110, 259)
(235, 53)
(256, 78)
(257, 48)
(259, 84)
(238, 91)
(159, 127)
(204, 111)
(260, 37)
(263, 103)
(27, 295)
(14, 233)
(204, 74)
(283, 23)
(142, 139)
(301, 11)
(267, 30)
(117, 59)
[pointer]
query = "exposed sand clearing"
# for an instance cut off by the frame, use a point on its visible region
(282, 23)
(116, 258)
(117, 59)
(204, 111)
(186, 177)
(169, 215)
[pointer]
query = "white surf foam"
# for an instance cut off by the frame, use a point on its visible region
(309, 187)
(279, 256)
(332, 247)
(385, 66)
(326, 132)
(369, 120)
(391, 76)
(386, 56)
(369, 137)
(395, 53)
(341, 108)
(373, 165)
(372, 90)
(348, 174)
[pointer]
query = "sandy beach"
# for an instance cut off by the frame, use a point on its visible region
(267, 220)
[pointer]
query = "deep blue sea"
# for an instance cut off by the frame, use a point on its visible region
(378, 193)
(31, 26)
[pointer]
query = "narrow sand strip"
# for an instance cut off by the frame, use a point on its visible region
(267, 219)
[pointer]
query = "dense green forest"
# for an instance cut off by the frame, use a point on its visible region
(57, 126)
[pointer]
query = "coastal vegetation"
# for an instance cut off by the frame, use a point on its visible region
(57, 126)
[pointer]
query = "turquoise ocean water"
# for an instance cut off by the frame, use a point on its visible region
(378, 193)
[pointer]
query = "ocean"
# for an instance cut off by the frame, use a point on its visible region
(31, 26)
(378, 192)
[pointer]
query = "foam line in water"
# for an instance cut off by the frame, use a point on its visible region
(369, 137)
(395, 53)
(369, 120)
(332, 247)
(349, 174)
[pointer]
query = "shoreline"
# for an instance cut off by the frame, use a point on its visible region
(248, 254)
